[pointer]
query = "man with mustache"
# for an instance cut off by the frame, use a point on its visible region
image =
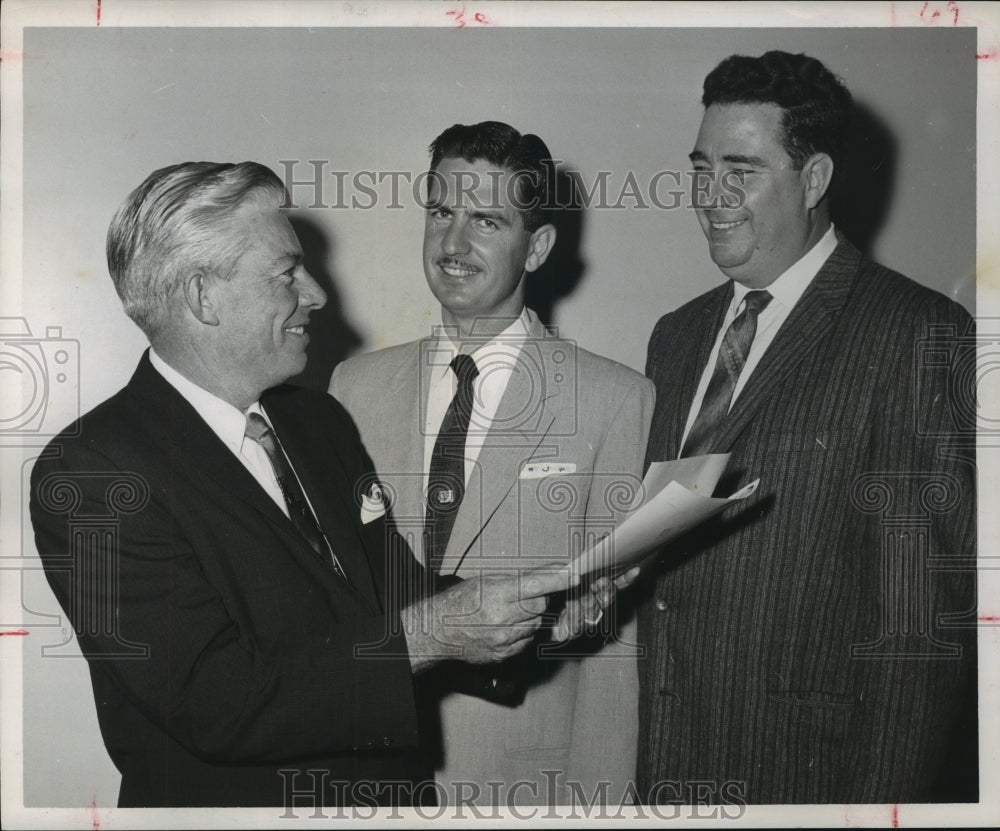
(820, 645)
(497, 440)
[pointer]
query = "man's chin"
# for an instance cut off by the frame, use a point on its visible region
(730, 266)
(726, 255)
(289, 369)
(456, 301)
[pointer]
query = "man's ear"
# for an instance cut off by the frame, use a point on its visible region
(199, 298)
(817, 173)
(539, 247)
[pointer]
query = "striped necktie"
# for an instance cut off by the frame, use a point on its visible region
(732, 356)
(299, 511)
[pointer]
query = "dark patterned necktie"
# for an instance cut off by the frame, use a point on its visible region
(446, 477)
(299, 511)
(732, 356)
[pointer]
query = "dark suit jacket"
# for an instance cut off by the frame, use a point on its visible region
(802, 647)
(221, 647)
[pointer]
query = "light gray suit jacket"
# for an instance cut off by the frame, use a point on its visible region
(560, 462)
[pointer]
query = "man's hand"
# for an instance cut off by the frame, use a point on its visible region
(585, 607)
(483, 619)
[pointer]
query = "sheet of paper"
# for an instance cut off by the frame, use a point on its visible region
(697, 473)
(677, 498)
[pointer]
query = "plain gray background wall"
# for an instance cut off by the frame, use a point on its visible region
(105, 107)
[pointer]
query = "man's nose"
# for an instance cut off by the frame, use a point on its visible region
(456, 240)
(720, 189)
(310, 293)
(706, 189)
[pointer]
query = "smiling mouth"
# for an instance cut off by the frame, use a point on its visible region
(456, 268)
(725, 226)
(296, 330)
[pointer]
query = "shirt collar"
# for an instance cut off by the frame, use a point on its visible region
(444, 349)
(790, 286)
(225, 420)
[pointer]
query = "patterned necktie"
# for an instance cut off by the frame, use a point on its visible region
(299, 511)
(446, 477)
(732, 356)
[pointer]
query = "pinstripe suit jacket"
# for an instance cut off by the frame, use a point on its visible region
(562, 405)
(818, 644)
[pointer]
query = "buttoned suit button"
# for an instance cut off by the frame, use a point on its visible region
(387, 741)
(662, 605)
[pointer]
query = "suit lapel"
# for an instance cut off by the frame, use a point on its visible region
(410, 382)
(391, 419)
(802, 332)
(196, 447)
(675, 392)
(330, 491)
(517, 434)
(199, 451)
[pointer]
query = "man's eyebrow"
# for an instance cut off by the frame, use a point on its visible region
(293, 257)
(753, 161)
(493, 216)
(732, 158)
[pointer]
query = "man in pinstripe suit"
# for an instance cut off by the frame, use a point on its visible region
(819, 646)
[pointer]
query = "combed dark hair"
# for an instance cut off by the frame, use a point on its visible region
(177, 219)
(816, 104)
(526, 156)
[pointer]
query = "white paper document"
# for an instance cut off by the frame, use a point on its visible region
(675, 497)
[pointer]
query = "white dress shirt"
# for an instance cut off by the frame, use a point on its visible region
(785, 291)
(496, 361)
(229, 424)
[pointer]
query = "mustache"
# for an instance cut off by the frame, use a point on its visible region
(456, 263)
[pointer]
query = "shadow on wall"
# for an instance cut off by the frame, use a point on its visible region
(564, 269)
(861, 206)
(331, 337)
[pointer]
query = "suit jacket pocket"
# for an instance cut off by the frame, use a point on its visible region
(806, 738)
(541, 468)
(816, 714)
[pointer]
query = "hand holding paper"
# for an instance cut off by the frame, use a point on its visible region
(585, 605)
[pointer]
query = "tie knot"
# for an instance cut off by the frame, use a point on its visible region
(257, 427)
(756, 301)
(465, 369)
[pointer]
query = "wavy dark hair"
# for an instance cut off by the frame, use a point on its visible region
(525, 156)
(816, 104)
